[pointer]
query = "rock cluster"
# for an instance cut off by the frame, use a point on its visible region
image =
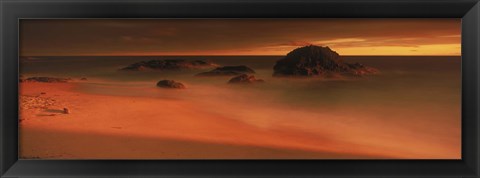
(170, 64)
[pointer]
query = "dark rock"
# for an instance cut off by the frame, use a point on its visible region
(228, 71)
(47, 79)
(171, 64)
(66, 111)
(170, 84)
(244, 78)
(360, 69)
(83, 78)
(318, 61)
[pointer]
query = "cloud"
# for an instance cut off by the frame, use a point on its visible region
(294, 43)
(227, 36)
(451, 36)
(338, 41)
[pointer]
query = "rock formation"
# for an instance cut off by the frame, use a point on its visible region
(228, 71)
(318, 61)
(47, 79)
(244, 79)
(172, 64)
(170, 84)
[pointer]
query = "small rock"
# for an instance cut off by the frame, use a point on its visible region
(170, 84)
(66, 111)
(43, 93)
(83, 78)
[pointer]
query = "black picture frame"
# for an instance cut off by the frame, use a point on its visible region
(13, 10)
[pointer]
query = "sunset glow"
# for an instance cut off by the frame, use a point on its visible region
(435, 37)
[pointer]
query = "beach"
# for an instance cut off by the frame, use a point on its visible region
(144, 128)
(124, 115)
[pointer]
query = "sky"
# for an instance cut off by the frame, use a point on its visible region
(132, 37)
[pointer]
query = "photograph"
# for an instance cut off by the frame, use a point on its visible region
(240, 88)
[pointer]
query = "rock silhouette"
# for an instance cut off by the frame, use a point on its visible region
(318, 61)
(245, 79)
(46, 79)
(170, 84)
(228, 71)
(169, 64)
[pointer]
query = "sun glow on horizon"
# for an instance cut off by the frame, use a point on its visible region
(421, 50)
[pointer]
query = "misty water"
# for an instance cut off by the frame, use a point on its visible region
(403, 81)
(418, 96)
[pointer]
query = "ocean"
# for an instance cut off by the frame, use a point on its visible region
(404, 81)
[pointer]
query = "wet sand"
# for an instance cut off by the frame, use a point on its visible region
(124, 127)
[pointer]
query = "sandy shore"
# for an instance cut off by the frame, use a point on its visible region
(122, 127)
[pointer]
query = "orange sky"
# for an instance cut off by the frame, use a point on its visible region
(238, 36)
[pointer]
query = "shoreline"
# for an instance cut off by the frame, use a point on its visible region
(166, 125)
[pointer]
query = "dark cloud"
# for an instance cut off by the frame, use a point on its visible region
(225, 36)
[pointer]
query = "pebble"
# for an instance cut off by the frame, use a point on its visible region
(66, 111)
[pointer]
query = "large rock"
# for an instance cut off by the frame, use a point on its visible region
(244, 79)
(318, 61)
(170, 84)
(171, 64)
(47, 79)
(228, 71)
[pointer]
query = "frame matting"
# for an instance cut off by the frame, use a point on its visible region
(13, 10)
